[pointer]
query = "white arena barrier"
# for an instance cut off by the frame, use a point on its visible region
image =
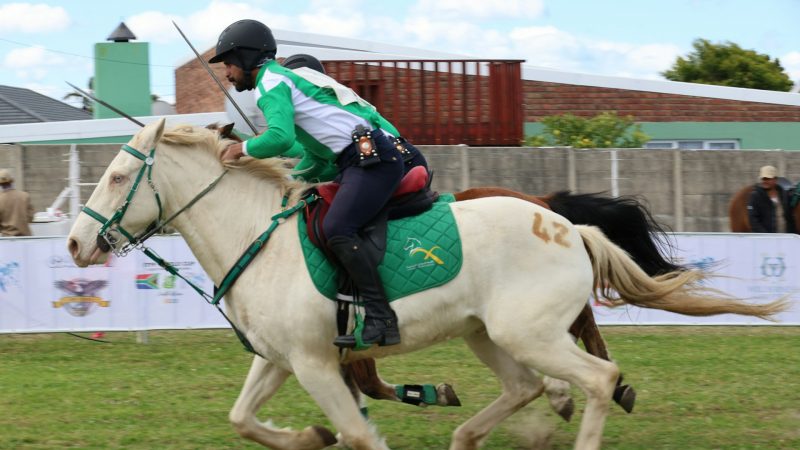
(41, 290)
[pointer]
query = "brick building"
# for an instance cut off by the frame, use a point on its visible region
(448, 100)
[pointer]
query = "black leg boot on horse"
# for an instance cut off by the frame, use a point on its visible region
(380, 321)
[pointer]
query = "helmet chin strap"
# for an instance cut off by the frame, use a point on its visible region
(248, 82)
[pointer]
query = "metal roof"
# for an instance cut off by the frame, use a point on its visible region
(121, 34)
(20, 105)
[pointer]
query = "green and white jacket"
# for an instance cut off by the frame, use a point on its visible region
(311, 108)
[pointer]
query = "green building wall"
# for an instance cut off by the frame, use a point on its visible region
(751, 135)
(122, 78)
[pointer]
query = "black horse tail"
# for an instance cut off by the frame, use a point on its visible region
(626, 222)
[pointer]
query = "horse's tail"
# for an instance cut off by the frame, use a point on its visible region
(626, 222)
(679, 292)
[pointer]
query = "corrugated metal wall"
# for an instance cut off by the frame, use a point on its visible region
(473, 102)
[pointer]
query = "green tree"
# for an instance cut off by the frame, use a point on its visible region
(87, 103)
(729, 65)
(605, 130)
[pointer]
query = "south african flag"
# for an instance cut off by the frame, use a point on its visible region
(147, 281)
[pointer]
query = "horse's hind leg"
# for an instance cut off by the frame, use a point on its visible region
(586, 329)
(365, 374)
(559, 357)
(262, 382)
(520, 387)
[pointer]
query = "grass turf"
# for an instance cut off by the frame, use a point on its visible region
(698, 388)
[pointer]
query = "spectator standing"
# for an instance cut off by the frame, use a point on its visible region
(768, 207)
(16, 211)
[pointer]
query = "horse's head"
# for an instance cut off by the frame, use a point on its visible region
(123, 204)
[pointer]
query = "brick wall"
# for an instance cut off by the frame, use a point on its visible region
(465, 116)
(195, 90)
(544, 99)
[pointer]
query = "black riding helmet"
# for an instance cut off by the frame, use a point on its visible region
(302, 60)
(246, 43)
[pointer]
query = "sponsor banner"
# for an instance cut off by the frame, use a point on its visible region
(753, 267)
(41, 290)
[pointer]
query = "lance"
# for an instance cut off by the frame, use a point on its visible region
(219, 83)
(97, 100)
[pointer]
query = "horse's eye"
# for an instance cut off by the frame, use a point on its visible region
(117, 179)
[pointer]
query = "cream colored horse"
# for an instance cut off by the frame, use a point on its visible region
(520, 287)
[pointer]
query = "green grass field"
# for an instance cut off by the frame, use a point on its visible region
(698, 388)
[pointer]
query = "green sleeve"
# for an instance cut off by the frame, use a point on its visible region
(315, 170)
(297, 151)
(276, 104)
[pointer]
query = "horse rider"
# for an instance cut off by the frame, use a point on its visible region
(768, 207)
(335, 125)
(310, 167)
(16, 211)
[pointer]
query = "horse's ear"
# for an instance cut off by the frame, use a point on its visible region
(226, 130)
(159, 129)
(151, 134)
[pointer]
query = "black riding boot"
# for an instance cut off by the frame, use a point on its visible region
(380, 321)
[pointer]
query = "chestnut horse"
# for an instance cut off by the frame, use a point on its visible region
(737, 211)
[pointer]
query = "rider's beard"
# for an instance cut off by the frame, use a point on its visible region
(242, 85)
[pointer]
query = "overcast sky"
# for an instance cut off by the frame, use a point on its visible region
(44, 44)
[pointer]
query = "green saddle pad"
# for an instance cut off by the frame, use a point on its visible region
(422, 252)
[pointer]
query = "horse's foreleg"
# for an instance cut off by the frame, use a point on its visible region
(520, 387)
(262, 382)
(365, 374)
(323, 381)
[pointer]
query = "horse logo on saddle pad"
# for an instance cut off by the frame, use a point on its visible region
(422, 252)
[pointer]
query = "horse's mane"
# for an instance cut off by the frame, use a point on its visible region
(275, 170)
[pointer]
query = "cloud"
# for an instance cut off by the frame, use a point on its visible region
(327, 18)
(479, 9)
(547, 47)
(32, 18)
(556, 49)
(202, 27)
(30, 63)
(791, 63)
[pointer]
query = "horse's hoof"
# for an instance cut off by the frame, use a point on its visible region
(446, 395)
(328, 438)
(625, 397)
(567, 410)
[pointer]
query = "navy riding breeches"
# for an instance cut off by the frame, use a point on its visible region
(364, 191)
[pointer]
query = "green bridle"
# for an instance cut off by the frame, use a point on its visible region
(114, 223)
(134, 242)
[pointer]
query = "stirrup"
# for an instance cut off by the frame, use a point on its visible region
(355, 342)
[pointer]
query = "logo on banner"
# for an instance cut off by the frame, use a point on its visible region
(60, 262)
(8, 276)
(773, 267)
(147, 281)
(169, 286)
(703, 264)
(65, 261)
(82, 298)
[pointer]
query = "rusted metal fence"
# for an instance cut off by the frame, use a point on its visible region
(473, 102)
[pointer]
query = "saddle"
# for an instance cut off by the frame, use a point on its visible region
(412, 197)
